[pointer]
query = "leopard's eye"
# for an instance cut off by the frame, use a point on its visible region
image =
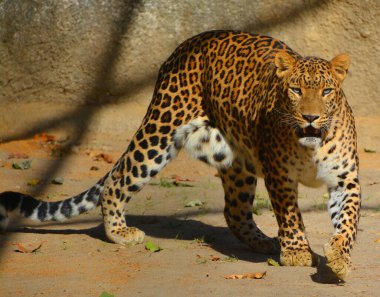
(296, 90)
(326, 91)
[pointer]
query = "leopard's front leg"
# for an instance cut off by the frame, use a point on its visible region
(344, 207)
(295, 249)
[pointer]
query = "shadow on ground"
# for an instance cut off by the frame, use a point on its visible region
(220, 239)
(179, 227)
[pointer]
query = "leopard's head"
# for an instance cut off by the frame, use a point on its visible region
(313, 92)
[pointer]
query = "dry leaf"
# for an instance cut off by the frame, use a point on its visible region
(254, 275)
(377, 240)
(57, 181)
(214, 258)
(373, 183)
(22, 249)
(178, 179)
(194, 203)
(368, 150)
(43, 137)
(18, 156)
(104, 157)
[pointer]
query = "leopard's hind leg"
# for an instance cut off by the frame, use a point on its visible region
(177, 100)
(151, 148)
(149, 151)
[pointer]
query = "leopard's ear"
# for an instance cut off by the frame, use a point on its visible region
(339, 65)
(284, 63)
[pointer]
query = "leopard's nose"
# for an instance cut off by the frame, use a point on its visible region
(310, 117)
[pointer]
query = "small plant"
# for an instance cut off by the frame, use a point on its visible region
(56, 151)
(194, 203)
(22, 165)
(167, 183)
(322, 205)
(64, 245)
(178, 236)
(201, 241)
(231, 258)
(200, 259)
(106, 294)
(259, 204)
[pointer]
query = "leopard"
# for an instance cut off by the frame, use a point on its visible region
(251, 107)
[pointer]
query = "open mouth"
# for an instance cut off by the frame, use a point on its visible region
(309, 131)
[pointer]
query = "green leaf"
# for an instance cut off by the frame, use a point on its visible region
(231, 258)
(57, 181)
(257, 211)
(194, 203)
(165, 183)
(22, 165)
(150, 246)
(33, 182)
(106, 294)
(367, 150)
(272, 262)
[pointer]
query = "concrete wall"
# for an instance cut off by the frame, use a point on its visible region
(96, 51)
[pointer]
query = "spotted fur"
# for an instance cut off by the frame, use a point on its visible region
(252, 107)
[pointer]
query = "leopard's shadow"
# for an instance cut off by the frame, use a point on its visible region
(220, 239)
(324, 275)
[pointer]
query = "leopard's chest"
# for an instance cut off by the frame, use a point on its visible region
(308, 175)
(314, 169)
(300, 164)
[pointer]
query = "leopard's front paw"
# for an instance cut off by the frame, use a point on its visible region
(338, 261)
(126, 236)
(300, 257)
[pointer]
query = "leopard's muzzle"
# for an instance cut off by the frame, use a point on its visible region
(309, 131)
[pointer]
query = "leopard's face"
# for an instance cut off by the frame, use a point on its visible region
(312, 88)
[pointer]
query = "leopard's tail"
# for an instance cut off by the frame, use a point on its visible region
(32, 208)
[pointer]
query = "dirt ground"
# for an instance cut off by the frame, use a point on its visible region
(198, 250)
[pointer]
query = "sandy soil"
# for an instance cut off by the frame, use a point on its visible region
(198, 250)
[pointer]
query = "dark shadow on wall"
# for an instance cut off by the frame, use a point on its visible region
(83, 114)
(103, 82)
